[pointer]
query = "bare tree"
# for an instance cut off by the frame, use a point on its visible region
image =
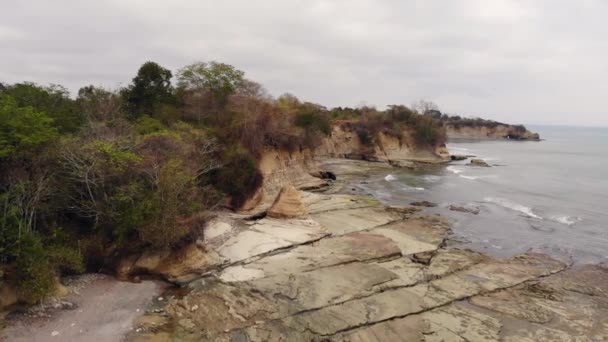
(423, 106)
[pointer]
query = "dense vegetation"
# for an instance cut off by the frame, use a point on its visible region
(86, 179)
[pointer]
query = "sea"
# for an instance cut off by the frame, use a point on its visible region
(547, 196)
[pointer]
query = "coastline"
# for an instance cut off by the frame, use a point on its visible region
(336, 269)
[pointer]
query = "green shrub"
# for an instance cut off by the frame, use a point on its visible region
(34, 272)
(239, 176)
(313, 121)
(147, 125)
(365, 136)
(428, 132)
(22, 128)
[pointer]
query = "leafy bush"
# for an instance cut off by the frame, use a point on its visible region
(239, 176)
(147, 125)
(54, 101)
(34, 273)
(22, 128)
(313, 121)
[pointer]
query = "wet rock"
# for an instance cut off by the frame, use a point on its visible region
(403, 164)
(458, 157)
(478, 162)
(325, 175)
(424, 204)
(471, 209)
(288, 204)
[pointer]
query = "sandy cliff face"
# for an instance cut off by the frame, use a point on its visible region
(485, 132)
(283, 168)
(344, 143)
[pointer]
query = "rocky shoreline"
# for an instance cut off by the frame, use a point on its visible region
(346, 268)
(327, 265)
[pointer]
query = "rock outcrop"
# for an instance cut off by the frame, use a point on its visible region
(355, 270)
(478, 162)
(471, 209)
(288, 204)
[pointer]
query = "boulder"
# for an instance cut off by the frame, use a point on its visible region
(327, 175)
(288, 204)
(178, 266)
(458, 157)
(478, 162)
(423, 204)
(465, 209)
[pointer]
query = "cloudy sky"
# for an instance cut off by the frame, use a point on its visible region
(528, 61)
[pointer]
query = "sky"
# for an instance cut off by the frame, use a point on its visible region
(528, 61)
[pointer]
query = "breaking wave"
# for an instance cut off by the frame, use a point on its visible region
(431, 178)
(565, 219)
(390, 178)
(454, 170)
(505, 203)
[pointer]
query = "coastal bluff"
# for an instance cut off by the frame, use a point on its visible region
(498, 131)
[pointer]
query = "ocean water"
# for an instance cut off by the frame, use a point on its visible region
(549, 196)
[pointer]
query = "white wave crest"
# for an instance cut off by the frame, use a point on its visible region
(431, 178)
(454, 170)
(565, 219)
(503, 202)
(478, 177)
(390, 178)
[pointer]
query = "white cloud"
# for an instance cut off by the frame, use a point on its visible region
(540, 61)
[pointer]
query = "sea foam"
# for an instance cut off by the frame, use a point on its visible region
(454, 169)
(390, 178)
(565, 219)
(505, 203)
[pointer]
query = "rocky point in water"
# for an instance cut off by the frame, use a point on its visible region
(351, 269)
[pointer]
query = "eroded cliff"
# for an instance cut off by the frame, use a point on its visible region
(500, 131)
(300, 168)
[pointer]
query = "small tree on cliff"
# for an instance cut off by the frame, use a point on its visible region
(208, 86)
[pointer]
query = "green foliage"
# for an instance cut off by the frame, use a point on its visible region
(239, 177)
(428, 132)
(54, 101)
(150, 90)
(34, 275)
(111, 172)
(365, 137)
(220, 79)
(313, 121)
(147, 125)
(22, 128)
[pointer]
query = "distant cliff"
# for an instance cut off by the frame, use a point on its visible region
(501, 131)
(476, 128)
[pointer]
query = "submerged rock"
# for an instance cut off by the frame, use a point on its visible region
(478, 162)
(471, 209)
(458, 157)
(423, 204)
